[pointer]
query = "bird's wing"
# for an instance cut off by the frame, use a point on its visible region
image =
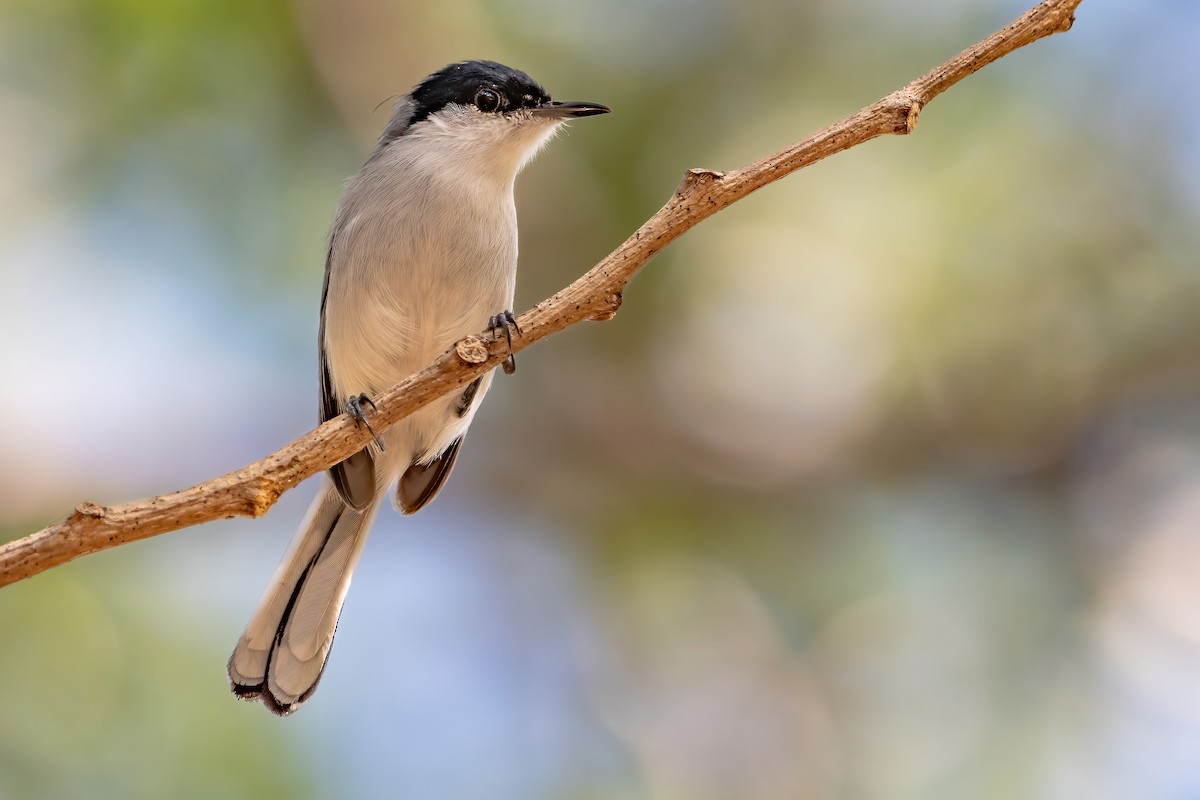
(421, 482)
(354, 478)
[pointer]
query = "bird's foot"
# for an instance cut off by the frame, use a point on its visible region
(356, 408)
(506, 323)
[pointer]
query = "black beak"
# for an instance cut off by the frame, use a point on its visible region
(556, 110)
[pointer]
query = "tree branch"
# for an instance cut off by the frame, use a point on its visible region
(252, 490)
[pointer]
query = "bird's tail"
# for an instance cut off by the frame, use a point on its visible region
(282, 652)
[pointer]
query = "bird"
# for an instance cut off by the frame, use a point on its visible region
(422, 252)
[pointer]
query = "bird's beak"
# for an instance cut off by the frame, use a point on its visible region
(574, 110)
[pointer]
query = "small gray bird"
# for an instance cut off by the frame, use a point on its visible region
(422, 252)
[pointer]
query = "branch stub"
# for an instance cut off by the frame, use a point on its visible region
(472, 350)
(89, 509)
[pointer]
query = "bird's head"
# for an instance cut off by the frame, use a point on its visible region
(482, 112)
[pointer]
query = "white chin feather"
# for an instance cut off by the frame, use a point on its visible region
(539, 138)
(466, 135)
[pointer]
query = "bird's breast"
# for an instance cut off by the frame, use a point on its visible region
(410, 274)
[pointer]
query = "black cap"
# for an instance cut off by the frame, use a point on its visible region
(463, 83)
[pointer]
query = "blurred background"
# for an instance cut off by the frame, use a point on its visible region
(884, 483)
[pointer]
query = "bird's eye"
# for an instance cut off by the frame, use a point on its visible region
(487, 100)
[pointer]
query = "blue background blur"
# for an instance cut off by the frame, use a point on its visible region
(885, 483)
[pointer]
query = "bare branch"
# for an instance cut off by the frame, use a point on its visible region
(252, 490)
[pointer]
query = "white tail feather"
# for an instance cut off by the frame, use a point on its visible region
(282, 652)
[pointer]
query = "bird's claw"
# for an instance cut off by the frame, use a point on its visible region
(355, 408)
(506, 322)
